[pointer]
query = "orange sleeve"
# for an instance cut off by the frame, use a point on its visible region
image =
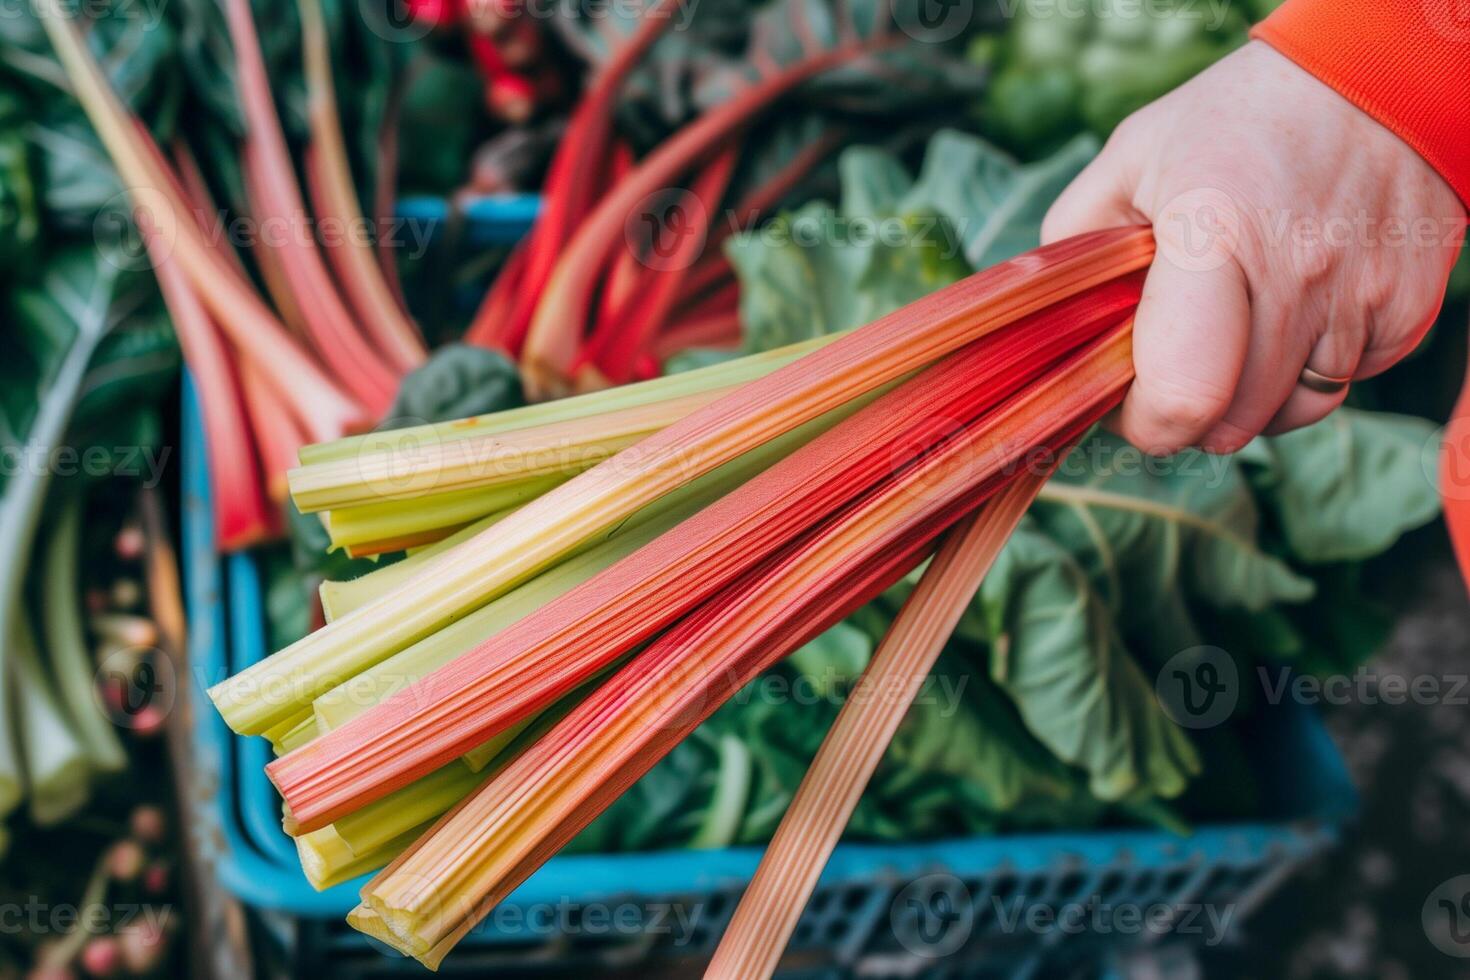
(1404, 62)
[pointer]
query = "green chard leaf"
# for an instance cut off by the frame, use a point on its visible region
(1349, 486)
(894, 239)
(1055, 651)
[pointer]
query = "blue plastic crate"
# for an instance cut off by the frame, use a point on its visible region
(867, 908)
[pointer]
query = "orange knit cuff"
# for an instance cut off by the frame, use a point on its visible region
(1404, 62)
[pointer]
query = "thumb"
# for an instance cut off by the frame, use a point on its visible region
(1101, 196)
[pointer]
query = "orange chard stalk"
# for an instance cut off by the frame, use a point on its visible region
(319, 406)
(535, 662)
(477, 854)
(330, 325)
(329, 181)
(788, 872)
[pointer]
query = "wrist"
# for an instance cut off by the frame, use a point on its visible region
(1405, 65)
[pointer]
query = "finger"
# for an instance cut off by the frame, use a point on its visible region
(1303, 407)
(1279, 350)
(1336, 355)
(1101, 196)
(1272, 368)
(1189, 346)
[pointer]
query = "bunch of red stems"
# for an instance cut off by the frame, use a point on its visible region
(319, 348)
(624, 266)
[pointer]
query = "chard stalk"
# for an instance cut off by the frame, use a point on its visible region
(23, 500)
(477, 853)
(330, 325)
(772, 904)
(589, 407)
(56, 760)
(393, 525)
(66, 643)
(582, 151)
(243, 516)
(480, 462)
(561, 312)
(327, 861)
(333, 193)
(341, 597)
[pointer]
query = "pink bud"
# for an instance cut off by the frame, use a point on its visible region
(101, 957)
(125, 860)
(129, 543)
(148, 824)
(155, 878)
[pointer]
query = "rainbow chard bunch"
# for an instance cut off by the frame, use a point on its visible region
(534, 665)
(320, 346)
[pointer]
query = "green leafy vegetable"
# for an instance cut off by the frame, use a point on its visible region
(1348, 487)
(1055, 652)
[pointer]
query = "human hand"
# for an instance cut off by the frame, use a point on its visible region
(1293, 230)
